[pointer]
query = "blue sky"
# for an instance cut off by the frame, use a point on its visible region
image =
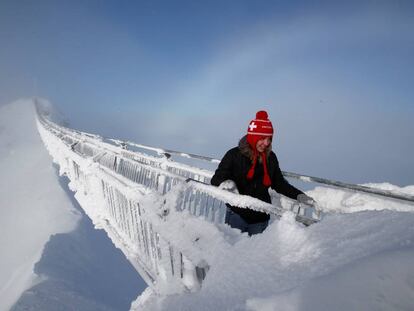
(336, 77)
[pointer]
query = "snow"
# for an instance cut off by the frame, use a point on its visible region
(364, 258)
(358, 257)
(32, 204)
(334, 200)
(381, 282)
(52, 258)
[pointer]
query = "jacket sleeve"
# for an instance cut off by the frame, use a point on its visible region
(224, 170)
(280, 184)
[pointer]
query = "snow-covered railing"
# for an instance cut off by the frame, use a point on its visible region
(89, 142)
(139, 199)
(301, 177)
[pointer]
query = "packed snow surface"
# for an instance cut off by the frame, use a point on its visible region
(33, 206)
(359, 257)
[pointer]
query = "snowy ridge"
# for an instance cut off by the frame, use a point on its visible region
(171, 229)
(33, 207)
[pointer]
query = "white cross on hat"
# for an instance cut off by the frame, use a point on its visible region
(252, 126)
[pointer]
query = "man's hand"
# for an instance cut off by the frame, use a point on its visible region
(229, 185)
(303, 198)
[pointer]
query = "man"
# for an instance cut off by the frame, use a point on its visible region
(251, 168)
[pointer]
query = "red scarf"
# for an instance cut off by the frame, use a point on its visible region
(266, 179)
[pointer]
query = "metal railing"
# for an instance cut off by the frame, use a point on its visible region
(301, 177)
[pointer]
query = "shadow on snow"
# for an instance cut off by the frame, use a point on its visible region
(83, 271)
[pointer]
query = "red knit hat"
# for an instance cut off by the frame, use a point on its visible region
(259, 128)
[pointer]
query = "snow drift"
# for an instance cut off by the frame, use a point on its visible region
(52, 257)
(33, 206)
(358, 261)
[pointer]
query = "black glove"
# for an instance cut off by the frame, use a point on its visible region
(303, 198)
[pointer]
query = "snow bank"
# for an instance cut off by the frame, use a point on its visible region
(381, 282)
(358, 260)
(32, 204)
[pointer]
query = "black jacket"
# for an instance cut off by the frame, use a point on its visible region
(235, 165)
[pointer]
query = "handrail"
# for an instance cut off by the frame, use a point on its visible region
(114, 202)
(166, 152)
(305, 214)
(360, 188)
(301, 177)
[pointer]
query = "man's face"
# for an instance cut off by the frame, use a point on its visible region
(263, 143)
